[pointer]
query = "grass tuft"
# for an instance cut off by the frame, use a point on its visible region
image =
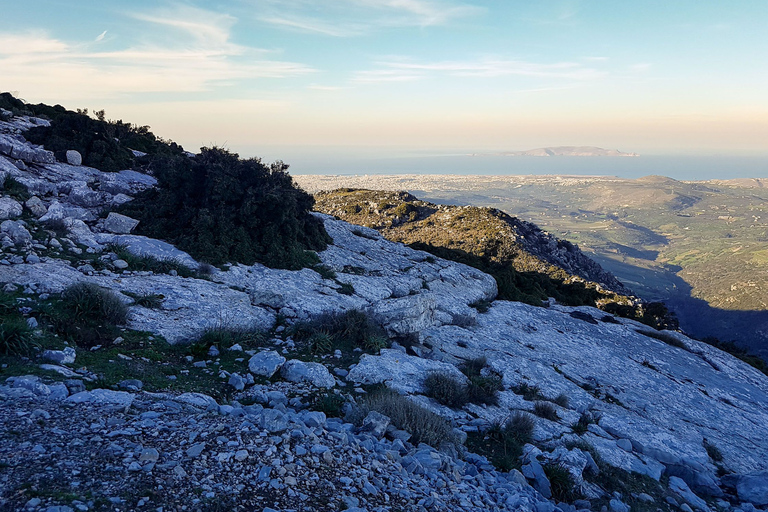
(446, 389)
(503, 442)
(545, 410)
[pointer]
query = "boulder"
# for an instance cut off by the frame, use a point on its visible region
(74, 157)
(265, 363)
(10, 208)
(752, 488)
(102, 397)
(16, 231)
(679, 487)
(35, 205)
(401, 372)
(119, 224)
(311, 373)
(66, 356)
(376, 423)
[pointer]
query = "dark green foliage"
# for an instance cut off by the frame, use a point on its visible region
(736, 351)
(423, 425)
(148, 300)
(528, 392)
(482, 306)
(561, 400)
(346, 331)
(87, 314)
(545, 410)
(503, 442)
(713, 451)
(562, 482)
(330, 403)
(346, 289)
(585, 420)
(146, 262)
(483, 388)
(15, 335)
(446, 389)
(325, 271)
(223, 337)
(221, 209)
(15, 189)
(58, 226)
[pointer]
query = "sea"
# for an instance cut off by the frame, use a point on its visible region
(359, 162)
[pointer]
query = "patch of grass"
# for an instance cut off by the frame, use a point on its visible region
(14, 188)
(562, 482)
(446, 389)
(330, 403)
(503, 442)
(528, 392)
(320, 343)
(223, 337)
(562, 400)
(545, 410)
(585, 420)
(346, 289)
(483, 388)
(482, 306)
(147, 300)
(146, 262)
(423, 425)
(87, 314)
(325, 271)
(347, 331)
(16, 337)
(666, 338)
(713, 451)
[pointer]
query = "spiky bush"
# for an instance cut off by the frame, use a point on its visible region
(561, 481)
(15, 336)
(503, 442)
(87, 314)
(446, 389)
(545, 410)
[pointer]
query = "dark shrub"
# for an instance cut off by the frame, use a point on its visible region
(15, 335)
(482, 389)
(423, 425)
(585, 420)
(15, 189)
(446, 389)
(87, 314)
(346, 289)
(347, 331)
(330, 403)
(545, 410)
(562, 483)
(528, 392)
(561, 400)
(221, 209)
(503, 442)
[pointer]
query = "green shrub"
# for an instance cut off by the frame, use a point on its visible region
(346, 289)
(528, 392)
(57, 226)
(147, 300)
(423, 425)
(545, 410)
(561, 481)
(87, 314)
(320, 343)
(347, 331)
(503, 442)
(446, 389)
(585, 420)
(561, 400)
(220, 209)
(482, 389)
(15, 336)
(14, 188)
(330, 403)
(325, 271)
(223, 337)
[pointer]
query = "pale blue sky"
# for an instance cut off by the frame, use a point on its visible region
(648, 76)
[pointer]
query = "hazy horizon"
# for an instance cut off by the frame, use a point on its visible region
(650, 78)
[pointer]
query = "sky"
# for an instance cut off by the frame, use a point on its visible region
(654, 77)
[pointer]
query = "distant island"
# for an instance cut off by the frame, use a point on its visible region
(567, 151)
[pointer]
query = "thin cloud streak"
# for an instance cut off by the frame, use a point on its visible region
(486, 68)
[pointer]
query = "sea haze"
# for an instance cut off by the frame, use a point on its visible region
(355, 161)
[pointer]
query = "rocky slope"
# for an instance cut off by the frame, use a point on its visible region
(673, 424)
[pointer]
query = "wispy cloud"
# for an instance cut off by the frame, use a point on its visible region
(485, 68)
(194, 54)
(346, 18)
(101, 36)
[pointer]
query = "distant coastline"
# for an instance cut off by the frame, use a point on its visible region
(579, 151)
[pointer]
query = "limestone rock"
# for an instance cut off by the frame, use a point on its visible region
(16, 231)
(311, 373)
(74, 157)
(265, 363)
(35, 205)
(10, 208)
(66, 356)
(752, 488)
(119, 224)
